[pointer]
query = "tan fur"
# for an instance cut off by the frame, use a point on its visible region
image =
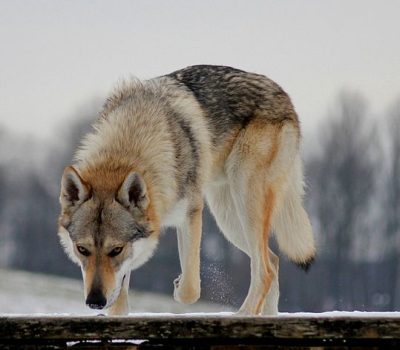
(187, 288)
(90, 269)
(256, 162)
(121, 305)
(126, 179)
(107, 273)
(269, 205)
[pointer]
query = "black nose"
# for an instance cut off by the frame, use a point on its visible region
(96, 300)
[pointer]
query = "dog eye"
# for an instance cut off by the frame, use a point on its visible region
(116, 251)
(83, 250)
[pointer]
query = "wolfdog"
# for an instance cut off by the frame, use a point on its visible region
(162, 146)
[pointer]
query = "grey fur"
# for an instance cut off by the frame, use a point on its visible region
(160, 147)
(186, 152)
(231, 97)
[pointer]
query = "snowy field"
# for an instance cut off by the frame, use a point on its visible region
(29, 293)
(23, 293)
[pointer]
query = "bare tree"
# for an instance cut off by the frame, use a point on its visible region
(343, 178)
(32, 198)
(4, 236)
(392, 203)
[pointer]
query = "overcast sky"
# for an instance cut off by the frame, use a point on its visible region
(58, 55)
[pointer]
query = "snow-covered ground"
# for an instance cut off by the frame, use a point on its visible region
(29, 293)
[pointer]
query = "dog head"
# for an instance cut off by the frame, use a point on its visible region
(107, 233)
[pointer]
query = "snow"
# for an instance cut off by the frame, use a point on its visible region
(329, 314)
(23, 293)
(197, 315)
(338, 314)
(26, 294)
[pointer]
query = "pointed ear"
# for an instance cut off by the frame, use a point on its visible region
(74, 189)
(133, 193)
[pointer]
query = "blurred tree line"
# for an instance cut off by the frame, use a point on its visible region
(353, 180)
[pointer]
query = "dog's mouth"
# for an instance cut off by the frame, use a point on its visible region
(111, 300)
(116, 293)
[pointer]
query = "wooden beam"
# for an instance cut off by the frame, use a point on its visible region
(296, 331)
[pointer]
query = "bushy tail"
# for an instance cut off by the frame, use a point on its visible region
(290, 222)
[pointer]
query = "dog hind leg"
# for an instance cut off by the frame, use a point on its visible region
(271, 302)
(257, 168)
(256, 228)
(221, 203)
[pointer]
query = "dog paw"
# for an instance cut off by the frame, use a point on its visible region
(186, 293)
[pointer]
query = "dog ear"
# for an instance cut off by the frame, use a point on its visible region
(74, 189)
(133, 193)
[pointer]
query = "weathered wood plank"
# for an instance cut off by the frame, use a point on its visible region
(205, 330)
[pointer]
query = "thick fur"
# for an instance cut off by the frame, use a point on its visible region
(160, 147)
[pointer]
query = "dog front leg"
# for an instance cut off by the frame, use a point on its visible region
(187, 285)
(121, 305)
